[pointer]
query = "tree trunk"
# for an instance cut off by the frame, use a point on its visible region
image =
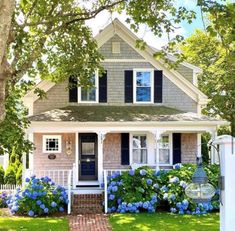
(6, 11)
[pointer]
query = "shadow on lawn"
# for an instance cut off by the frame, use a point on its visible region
(164, 221)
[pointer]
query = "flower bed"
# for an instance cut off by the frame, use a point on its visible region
(39, 197)
(144, 189)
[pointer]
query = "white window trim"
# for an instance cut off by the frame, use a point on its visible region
(96, 91)
(131, 147)
(45, 137)
(171, 149)
(151, 85)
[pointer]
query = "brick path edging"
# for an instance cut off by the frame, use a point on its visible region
(89, 222)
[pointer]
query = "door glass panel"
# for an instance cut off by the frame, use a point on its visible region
(88, 148)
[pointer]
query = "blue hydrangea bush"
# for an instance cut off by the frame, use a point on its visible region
(145, 189)
(3, 199)
(39, 197)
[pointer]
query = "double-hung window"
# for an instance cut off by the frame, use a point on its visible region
(90, 95)
(139, 149)
(164, 150)
(51, 144)
(143, 86)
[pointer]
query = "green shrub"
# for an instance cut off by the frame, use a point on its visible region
(19, 175)
(2, 172)
(144, 189)
(39, 197)
(10, 175)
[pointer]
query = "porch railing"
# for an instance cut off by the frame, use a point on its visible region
(8, 187)
(60, 177)
(109, 172)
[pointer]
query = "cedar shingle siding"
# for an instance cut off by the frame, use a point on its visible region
(172, 96)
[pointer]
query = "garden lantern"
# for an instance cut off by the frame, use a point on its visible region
(200, 190)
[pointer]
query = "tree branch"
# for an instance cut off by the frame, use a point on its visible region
(82, 16)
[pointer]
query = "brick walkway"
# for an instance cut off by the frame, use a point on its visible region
(89, 222)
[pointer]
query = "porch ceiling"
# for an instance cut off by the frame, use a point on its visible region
(118, 114)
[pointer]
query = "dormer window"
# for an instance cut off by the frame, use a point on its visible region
(143, 86)
(89, 95)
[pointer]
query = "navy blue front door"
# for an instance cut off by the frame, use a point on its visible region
(88, 156)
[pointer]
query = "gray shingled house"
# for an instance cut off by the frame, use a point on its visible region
(139, 112)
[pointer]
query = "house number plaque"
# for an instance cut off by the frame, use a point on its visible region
(51, 156)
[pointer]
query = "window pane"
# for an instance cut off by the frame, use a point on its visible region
(143, 141)
(136, 142)
(164, 156)
(143, 94)
(89, 94)
(139, 142)
(143, 79)
(140, 156)
(88, 148)
(164, 143)
(52, 144)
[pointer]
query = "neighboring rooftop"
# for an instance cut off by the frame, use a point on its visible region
(117, 114)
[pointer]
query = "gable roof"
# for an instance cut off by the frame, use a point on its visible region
(116, 27)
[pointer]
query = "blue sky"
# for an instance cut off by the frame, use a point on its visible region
(104, 18)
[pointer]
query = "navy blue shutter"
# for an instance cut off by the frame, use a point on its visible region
(125, 159)
(73, 90)
(157, 86)
(103, 88)
(128, 86)
(176, 148)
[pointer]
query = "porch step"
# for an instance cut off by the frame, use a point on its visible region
(87, 203)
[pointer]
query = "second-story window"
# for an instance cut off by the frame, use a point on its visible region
(89, 95)
(143, 86)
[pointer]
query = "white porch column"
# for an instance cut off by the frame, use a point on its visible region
(213, 151)
(157, 135)
(101, 138)
(23, 168)
(227, 163)
(199, 147)
(30, 138)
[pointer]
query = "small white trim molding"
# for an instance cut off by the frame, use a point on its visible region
(44, 140)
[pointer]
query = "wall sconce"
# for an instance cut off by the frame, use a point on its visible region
(68, 147)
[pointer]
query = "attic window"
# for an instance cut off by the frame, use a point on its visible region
(116, 47)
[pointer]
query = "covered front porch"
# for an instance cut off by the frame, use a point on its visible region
(87, 152)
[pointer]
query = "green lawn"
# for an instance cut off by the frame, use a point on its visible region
(164, 222)
(33, 224)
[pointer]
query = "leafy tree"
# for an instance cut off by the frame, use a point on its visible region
(12, 128)
(2, 172)
(213, 51)
(50, 38)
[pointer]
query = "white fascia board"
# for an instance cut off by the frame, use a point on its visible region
(44, 85)
(92, 126)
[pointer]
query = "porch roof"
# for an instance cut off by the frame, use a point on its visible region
(118, 114)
